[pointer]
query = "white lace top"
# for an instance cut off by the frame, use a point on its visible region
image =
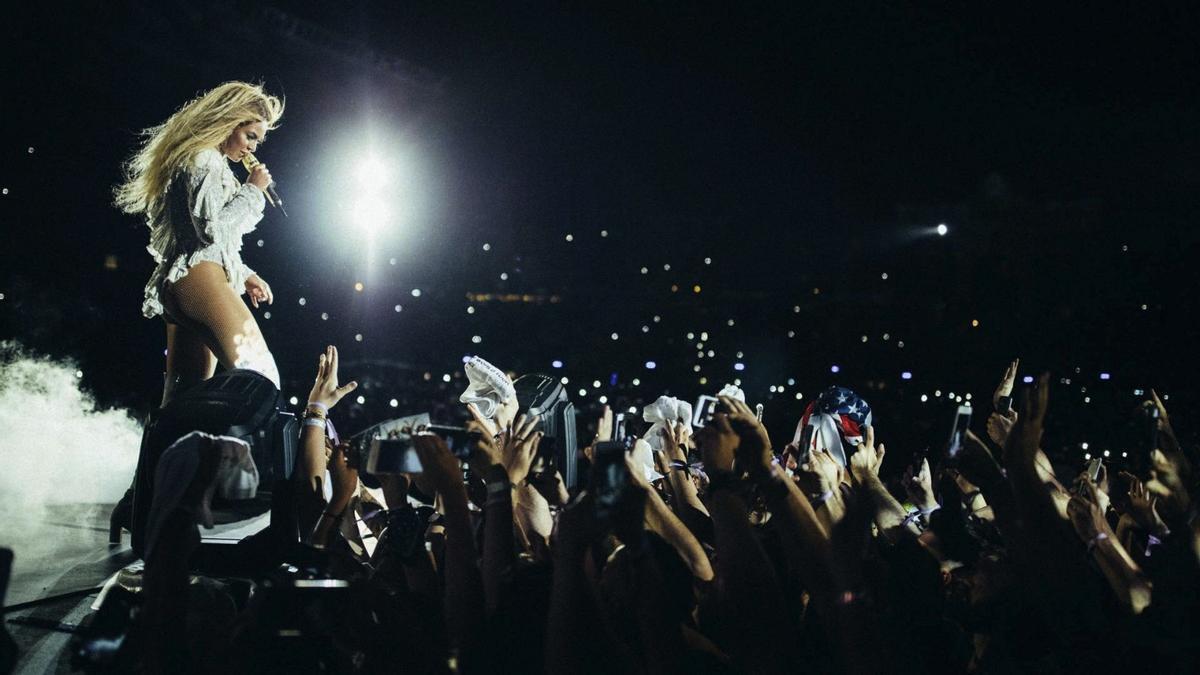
(205, 214)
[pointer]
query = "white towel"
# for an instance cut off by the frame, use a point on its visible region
(644, 457)
(488, 387)
(733, 392)
(667, 409)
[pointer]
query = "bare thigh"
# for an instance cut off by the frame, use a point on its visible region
(205, 306)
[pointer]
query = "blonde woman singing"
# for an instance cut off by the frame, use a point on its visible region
(180, 180)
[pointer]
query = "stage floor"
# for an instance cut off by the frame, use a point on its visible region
(57, 574)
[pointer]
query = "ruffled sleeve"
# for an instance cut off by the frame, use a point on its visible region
(219, 217)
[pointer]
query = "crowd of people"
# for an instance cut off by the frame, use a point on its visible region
(714, 548)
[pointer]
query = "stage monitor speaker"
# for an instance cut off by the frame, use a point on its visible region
(546, 396)
(239, 403)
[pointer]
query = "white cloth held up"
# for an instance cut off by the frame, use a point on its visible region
(666, 410)
(732, 391)
(488, 387)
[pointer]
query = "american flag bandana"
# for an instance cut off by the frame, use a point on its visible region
(838, 418)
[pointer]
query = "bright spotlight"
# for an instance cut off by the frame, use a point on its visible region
(942, 229)
(369, 214)
(372, 175)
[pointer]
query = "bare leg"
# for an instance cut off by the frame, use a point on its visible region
(204, 304)
(189, 360)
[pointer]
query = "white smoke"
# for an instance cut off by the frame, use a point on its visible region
(56, 448)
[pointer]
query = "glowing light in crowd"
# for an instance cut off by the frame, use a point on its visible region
(361, 400)
(1027, 379)
(835, 369)
(650, 365)
(942, 229)
(906, 375)
(603, 399)
(1084, 445)
(358, 286)
(1105, 376)
(394, 403)
(636, 382)
(739, 366)
(570, 237)
(583, 392)
(596, 384)
(556, 364)
(293, 400)
(565, 381)
(416, 292)
(476, 339)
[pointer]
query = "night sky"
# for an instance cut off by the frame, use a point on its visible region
(797, 147)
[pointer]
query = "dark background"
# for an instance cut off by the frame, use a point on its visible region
(797, 147)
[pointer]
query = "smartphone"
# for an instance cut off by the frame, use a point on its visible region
(610, 475)
(1093, 469)
(618, 430)
(962, 421)
(703, 411)
(392, 455)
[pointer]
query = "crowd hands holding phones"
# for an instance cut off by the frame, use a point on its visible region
(731, 552)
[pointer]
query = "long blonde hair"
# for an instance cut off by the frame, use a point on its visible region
(202, 123)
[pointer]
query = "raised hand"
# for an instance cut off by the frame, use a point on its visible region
(919, 485)
(486, 450)
(1143, 505)
(999, 426)
(820, 474)
(1027, 433)
(485, 425)
(675, 441)
(604, 426)
(1005, 387)
(866, 460)
(520, 447)
(717, 442)
(325, 390)
(1085, 513)
(754, 447)
(437, 462)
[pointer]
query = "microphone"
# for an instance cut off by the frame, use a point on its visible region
(250, 161)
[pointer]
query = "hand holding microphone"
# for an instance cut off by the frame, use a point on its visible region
(260, 178)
